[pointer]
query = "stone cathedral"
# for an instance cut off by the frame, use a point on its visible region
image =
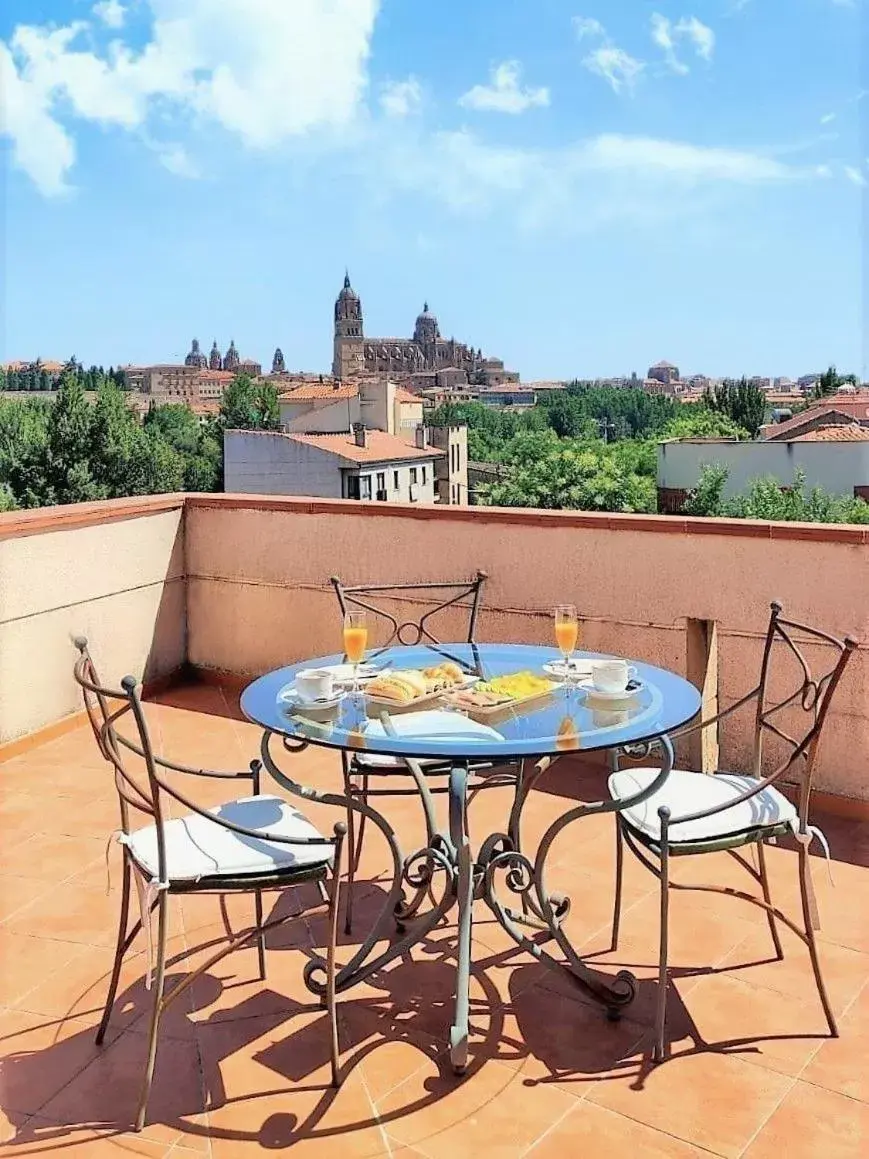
(424, 359)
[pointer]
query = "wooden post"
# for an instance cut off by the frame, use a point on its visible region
(702, 670)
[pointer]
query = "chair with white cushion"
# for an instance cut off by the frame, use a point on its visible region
(251, 844)
(693, 813)
(463, 597)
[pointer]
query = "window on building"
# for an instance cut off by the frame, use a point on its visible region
(381, 480)
(364, 486)
(395, 480)
(413, 474)
(423, 474)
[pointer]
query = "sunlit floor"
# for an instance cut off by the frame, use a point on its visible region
(243, 1064)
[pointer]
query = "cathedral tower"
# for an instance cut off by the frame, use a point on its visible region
(348, 354)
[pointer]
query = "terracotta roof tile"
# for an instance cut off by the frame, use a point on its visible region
(844, 434)
(402, 395)
(381, 447)
(311, 392)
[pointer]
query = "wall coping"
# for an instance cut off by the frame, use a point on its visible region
(65, 517)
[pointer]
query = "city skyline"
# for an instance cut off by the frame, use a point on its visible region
(584, 188)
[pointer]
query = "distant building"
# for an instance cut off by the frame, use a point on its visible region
(664, 372)
(352, 439)
(834, 458)
(842, 410)
(232, 361)
(420, 358)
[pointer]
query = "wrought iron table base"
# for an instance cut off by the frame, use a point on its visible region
(467, 879)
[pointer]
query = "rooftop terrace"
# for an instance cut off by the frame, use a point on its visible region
(200, 593)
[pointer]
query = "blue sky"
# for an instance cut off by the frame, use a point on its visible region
(581, 187)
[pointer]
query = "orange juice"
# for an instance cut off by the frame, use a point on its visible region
(355, 643)
(566, 634)
(567, 738)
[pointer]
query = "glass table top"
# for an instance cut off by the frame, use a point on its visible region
(573, 717)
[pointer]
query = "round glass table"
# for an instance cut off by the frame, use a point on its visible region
(437, 738)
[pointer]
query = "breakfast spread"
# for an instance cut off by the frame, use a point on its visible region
(503, 691)
(405, 685)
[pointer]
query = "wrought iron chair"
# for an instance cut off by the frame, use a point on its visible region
(252, 844)
(465, 595)
(693, 813)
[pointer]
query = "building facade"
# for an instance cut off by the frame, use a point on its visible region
(419, 359)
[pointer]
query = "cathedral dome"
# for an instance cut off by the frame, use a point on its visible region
(347, 291)
(426, 316)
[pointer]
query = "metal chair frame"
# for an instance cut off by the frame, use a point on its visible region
(408, 632)
(813, 696)
(146, 796)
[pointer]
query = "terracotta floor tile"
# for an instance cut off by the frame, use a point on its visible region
(50, 856)
(588, 1129)
(840, 1064)
(845, 971)
(40, 1056)
(82, 916)
(38, 1136)
(105, 1094)
(725, 1014)
(489, 1111)
(811, 1123)
(17, 892)
(268, 1083)
(713, 1101)
(26, 961)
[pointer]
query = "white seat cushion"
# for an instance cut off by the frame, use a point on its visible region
(686, 792)
(197, 847)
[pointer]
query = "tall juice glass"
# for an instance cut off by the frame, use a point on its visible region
(566, 633)
(355, 642)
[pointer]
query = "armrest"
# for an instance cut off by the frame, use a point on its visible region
(259, 835)
(252, 773)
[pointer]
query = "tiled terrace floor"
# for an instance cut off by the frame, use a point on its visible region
(243, 1068)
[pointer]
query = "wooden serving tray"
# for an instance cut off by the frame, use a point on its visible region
(430, 698)
(506, 706)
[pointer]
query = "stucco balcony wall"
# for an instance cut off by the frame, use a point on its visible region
(239, 584)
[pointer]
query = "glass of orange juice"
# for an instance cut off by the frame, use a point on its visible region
(566, 632)
(355, 642)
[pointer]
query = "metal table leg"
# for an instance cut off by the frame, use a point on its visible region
(465, 897)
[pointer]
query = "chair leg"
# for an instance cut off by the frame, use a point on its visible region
(767, 897)
(119, 952)
(660, 1052)
(351, 841)
(810, 921)
(156, 1009)
(331, 1005)
(356, 854)
(261, 937)
(617, 903)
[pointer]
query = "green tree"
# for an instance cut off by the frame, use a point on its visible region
(7, 499)
(743, 402)
(767, 500)
(831, 380)
(68, 474)
(247, 406)
(697, 422)
(23, 441)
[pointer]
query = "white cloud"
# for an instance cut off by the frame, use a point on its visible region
(264, 70)
(588, 26)
(855, 176)
(504, 94)
(666, 34)
(176, 159)
(828, 118)
(615, 65)
(111, 12)
(401, 98)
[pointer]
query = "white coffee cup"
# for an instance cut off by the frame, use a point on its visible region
(314, 684)
(612, 675)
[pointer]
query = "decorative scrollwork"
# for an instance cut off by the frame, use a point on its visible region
(313, 967)
(518, 875)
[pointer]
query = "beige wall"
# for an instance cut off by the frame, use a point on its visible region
(257, 594)
(118, 582)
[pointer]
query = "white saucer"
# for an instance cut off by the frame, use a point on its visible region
(343, 673)
(289, 696)
(633, 688)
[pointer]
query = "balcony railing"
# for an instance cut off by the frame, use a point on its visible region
(239, 584)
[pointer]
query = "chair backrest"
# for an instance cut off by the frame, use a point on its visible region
(415, 631)
(812, 696)
(105, 707)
